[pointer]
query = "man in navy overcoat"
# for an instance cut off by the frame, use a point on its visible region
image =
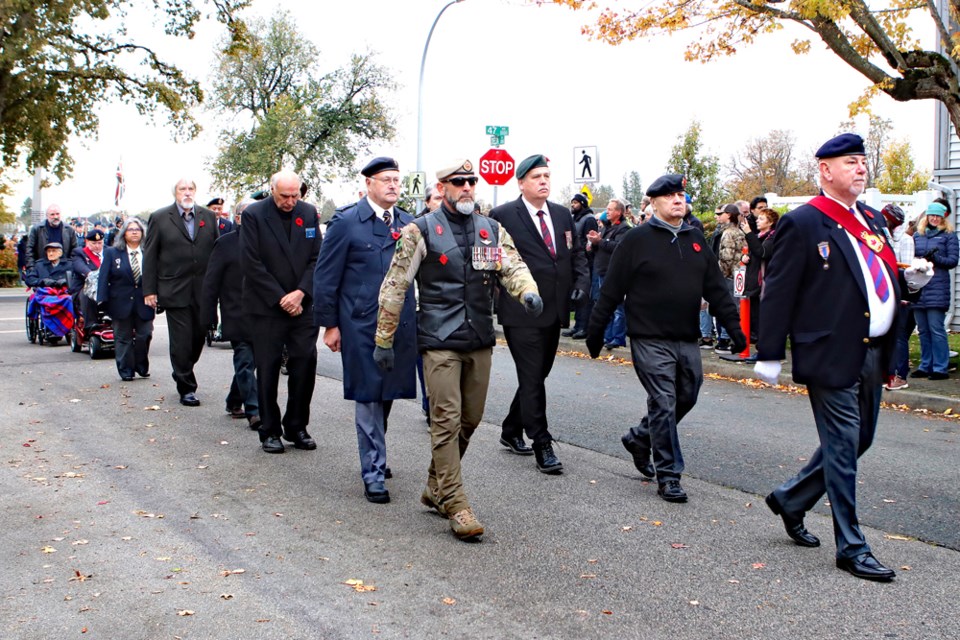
(354, 259)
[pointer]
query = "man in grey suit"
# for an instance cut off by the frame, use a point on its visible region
(175, 255)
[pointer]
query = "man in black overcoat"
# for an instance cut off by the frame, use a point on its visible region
(278, 253)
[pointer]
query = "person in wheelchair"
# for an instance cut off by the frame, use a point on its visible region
(50, 271)
(84, 260)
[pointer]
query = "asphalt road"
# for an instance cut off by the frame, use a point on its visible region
(128, 516)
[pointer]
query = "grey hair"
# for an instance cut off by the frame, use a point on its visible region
(619, 204)
(189, 181)
(285, 174)
(120, 242)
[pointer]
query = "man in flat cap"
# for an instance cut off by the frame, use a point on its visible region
(664, 268)
(356, 253)
(457, 256)
(224, 224)
(543, 233)
(278, 253)
(583, 223)
(833, 288)
(176, 250)
(83, 260)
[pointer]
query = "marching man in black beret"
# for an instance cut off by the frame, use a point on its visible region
(664, 268)
(833, 287)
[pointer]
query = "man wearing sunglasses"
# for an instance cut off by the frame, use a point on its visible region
(544, 236)
(456, 256)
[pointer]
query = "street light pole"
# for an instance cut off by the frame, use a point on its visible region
(423, 63)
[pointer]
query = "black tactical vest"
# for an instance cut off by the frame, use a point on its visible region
(456, 292)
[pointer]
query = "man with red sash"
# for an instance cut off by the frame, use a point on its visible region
(84, 260)
(833, 287)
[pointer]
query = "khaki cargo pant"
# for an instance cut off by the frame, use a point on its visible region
(457, 387)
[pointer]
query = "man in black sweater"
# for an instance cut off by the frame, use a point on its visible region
(664, 268)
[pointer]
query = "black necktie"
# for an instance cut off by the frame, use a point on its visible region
(386, 218)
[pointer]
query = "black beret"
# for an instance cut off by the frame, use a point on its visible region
(379, 164)
(217, 200)
(845, 144)
(667, 184)
(532, 162)
(582, 199)
(95, 235)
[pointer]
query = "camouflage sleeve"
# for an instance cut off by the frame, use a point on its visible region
(410, 251)
(514, 274)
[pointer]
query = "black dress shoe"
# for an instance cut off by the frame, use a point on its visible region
(793, 526)
(126, 378)
(937, 375)
(641, 457)
(579, 335)
(919, 373)
(671, 491)
(387, 473)
(376, 492)
(272, 444)
(189, 400)
(517, 445)
(547, 461)
(302, 440)
(867, 567)
(145, 374)
(567, 333)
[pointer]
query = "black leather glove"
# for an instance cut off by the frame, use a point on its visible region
(383, 358)
(738, 341)
(577, 295)
(532, 304)
(594, 344)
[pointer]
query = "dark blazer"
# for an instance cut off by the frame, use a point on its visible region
(173, 264)
(224, 283)
(824, 312)
(356, 254)
(225, 226)
(272, 264)
(116, 288)
(555, 278)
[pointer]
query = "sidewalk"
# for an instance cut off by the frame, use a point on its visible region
(935, 396)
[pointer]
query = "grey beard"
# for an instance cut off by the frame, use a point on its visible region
(466, 208)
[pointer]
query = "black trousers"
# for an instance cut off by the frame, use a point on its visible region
(533, 349)
(187, 334)
(132, 337)
(846, 423)
(671, 373)
(270, 334)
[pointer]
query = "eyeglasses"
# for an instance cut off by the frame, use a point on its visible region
(459, 182)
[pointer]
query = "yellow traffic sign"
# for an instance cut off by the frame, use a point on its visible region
(585, 190)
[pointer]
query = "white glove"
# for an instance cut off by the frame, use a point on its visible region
(919, 274)
(768, 371)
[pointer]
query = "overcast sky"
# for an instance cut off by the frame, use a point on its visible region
(500, 62)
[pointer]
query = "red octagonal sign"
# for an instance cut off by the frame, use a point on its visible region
(496, 167)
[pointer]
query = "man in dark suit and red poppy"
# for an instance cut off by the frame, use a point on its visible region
(175, 255)
(543, 233)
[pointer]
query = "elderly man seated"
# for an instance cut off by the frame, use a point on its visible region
(50, 271)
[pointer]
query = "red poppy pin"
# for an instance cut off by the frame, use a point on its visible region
(439, 230)
(696, 247)
(483, 234)
(443, 258)
(201, 223)
(299, 222)
(396, 235)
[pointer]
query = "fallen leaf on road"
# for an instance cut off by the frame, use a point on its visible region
(450, 601)
(163, 559)
(656, 523)
(154, 407)
(224, 442)
(74, 399)
(79, 577)
(607, 612)
(889, 501)
(906, 567)
(79, 542)
(758, 565)
(48, 549)
(184, 612)
(626, 528)
(895, 536)
(695, 603)
(679, 545)
(358, 586)
(120, 466)
(103, 502)
(226, 596)
(733, 581)
(588, 576)
(231, 572)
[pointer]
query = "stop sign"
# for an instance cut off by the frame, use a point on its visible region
(496, 167)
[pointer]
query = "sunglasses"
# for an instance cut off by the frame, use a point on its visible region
(459, 182)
